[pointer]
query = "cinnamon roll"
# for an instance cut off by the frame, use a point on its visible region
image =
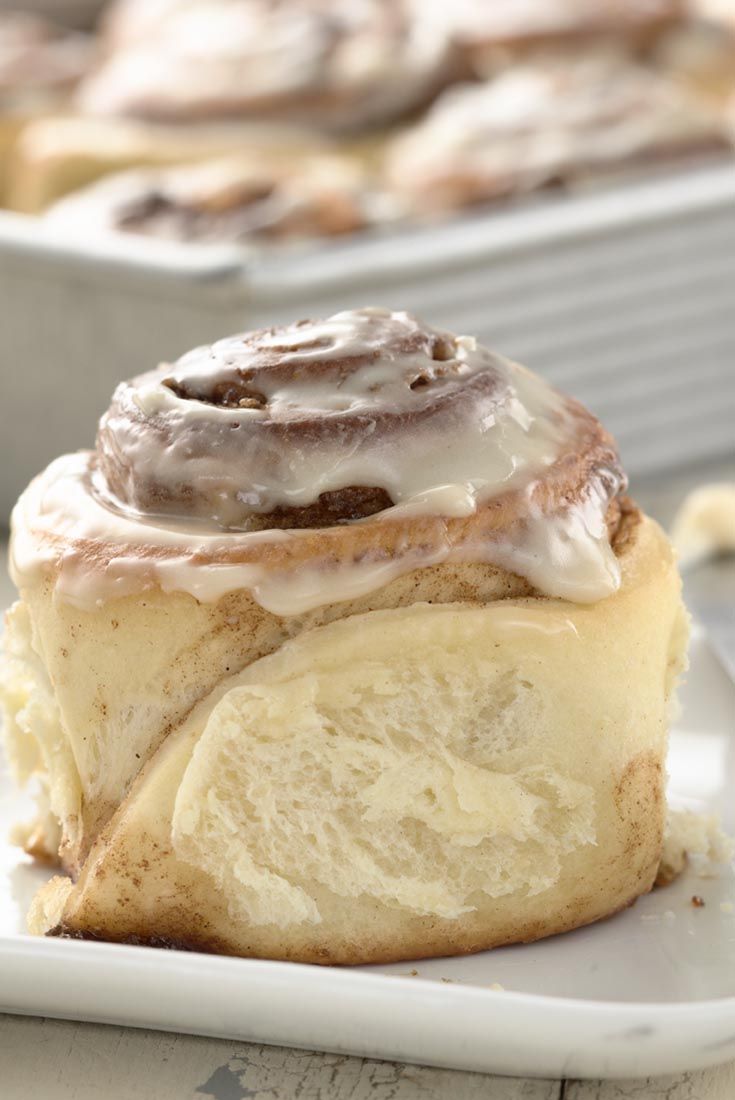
(60, 154)
(557, 120)
(303, 650)
(491, 33)
(236, 200)
(324, 63)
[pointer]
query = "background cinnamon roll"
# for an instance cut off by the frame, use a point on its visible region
(180, 81)
(302, 654)
(493, 32)
(556, 120)
(244, 199)
(61, 154)
(40, 64)
(318, 62)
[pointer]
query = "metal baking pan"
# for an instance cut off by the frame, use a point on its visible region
(624, 297)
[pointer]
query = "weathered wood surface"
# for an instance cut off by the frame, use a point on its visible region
(57, 1060)
(712, 1084)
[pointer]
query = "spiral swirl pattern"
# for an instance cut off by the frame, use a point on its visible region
(306, 425)
(365, 446)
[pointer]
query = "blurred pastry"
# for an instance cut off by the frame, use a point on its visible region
(215, 78)
(498, 31)
(39, 67)
(716, 11)
(76, 14)
(58, 155)
(320, 63)
(125, 22)
(558, 120)
(701, 52)
(235, 200)
(303, 653)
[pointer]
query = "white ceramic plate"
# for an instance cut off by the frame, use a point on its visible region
(649, 991)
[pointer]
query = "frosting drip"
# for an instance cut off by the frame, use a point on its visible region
(276, 420)
(316, 463)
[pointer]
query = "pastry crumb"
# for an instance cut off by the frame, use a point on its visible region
(705, 524)
(727, 907)
(697, 901)
(692, 834)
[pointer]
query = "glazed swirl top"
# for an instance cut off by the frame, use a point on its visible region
(326, 421)
(323, 458)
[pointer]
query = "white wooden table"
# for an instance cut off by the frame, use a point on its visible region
(43, 1059)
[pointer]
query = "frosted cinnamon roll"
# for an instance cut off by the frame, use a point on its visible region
(302, 654)
(61, 154)
(558, 120)
(320, 62)
(491, 32)
(238, 200)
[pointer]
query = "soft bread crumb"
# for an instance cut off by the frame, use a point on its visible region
(381, 778)
(34, 741)
(705, 524)
(692, 834)
(48, 905)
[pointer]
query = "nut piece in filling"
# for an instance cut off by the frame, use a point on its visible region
(301, 659)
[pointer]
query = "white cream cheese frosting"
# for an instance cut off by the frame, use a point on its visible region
(252, 464)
